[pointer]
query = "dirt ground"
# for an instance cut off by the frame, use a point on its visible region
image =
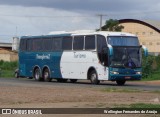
(32, 96)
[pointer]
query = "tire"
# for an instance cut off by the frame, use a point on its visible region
(93, 77)
(46, 75)
(37, 74)
(120, 82)
(73, 80)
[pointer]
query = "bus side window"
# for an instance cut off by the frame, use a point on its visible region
(37, 44)
(90, 42)
(47, 44)
(23, 45)
(29, 45)
(78, 43)
(102, 50)
(57, 43)
(67, 43)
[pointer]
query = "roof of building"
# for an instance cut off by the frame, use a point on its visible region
(155, 25)
(5, 45)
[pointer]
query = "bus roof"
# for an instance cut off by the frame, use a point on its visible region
(84, 32)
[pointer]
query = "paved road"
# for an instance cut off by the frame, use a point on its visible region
(81, 83)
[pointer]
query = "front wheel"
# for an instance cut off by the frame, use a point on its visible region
(93, 77)
(120, 82)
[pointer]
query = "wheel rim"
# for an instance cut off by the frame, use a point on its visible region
(93, 77)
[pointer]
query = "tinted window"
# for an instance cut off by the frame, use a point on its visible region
(57, 43)
(102, 50)
(123, 41)
(90, 42)
(29, 44)
(37, 44)
(47, 44)
(101, 42)
(23, 45)
(78, 43)
(67, 43)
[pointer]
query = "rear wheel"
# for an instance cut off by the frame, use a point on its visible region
(46, 76)
(37, 74)
(93, 77)
(120, 82)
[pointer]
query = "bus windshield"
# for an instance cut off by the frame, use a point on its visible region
(123, 41)
(127, 57)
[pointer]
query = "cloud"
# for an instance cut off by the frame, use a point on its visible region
(37, 17)
(19, 20)
(86, 5)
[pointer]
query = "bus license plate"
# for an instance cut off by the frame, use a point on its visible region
(127, 77)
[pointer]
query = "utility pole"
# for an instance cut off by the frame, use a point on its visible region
(101, 18)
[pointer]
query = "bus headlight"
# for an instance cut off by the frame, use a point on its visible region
(139, 73)
(114, 72)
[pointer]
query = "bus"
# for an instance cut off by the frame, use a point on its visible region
(95, 56)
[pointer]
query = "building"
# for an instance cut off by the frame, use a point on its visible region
(147, 31)
(6, 53)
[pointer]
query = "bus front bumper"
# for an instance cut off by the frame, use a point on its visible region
(114, 77)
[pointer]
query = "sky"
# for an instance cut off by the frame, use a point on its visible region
(39, 17)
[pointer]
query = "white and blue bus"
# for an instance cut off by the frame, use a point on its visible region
(95, 56)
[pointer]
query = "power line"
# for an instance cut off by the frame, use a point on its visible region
(38, 16)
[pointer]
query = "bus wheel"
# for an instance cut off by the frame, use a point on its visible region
(37, 74)
(46, 76)
(93, 77)
(120, 82)
(73, 80)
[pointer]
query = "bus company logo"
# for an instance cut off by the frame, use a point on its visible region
(6, 111)
(79, 55)
(42, 57)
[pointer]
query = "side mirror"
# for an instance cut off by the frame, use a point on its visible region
(110, 50)
(145, 50)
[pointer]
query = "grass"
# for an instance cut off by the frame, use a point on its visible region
(121, 90)
(143, 105)
(7, 69)
(137, 105)
(154, 76)
(129, 90)
(7, 74)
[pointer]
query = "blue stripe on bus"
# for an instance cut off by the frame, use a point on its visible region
(56, 65)
(49, 59)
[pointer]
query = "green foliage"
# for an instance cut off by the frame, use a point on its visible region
(7, 68)
(112, 25)
(8, 65)
(151, 68)
(143, 105)
(146, 66)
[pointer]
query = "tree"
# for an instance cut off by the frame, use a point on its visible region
(112, 25)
